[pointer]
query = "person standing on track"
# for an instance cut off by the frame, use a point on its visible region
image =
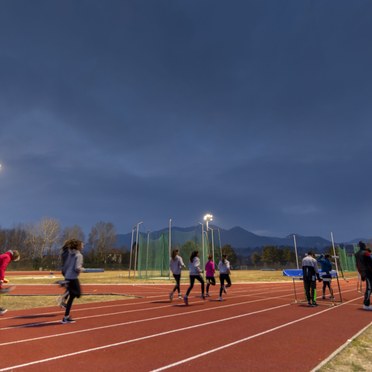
(72, 269)
(195, 274)
(363, 260)
(175, 265)
(224, 269)
(209, 272)
(326, 267)
(5, 259)
(310, 273)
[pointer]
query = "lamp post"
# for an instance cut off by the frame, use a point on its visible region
(135, 253)
(131, 251)
(207, 218)
(212, 243)
(202, 227)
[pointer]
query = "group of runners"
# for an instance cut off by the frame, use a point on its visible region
(72, 266)
(195, 273)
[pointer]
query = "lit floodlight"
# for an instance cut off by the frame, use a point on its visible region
(207, 218)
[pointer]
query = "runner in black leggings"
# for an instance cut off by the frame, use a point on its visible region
(195, 274)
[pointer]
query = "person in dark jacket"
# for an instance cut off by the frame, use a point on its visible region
(363, 260)
(72, 269)
(310, 273)
(326, 267)
(5, 259)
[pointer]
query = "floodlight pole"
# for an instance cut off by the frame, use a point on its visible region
(147, 251)
(170, 243)
(136, 252)
(202, 227)
(131, 249)
(295, 247)
(212, 243)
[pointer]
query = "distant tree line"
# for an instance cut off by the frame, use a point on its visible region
(40, 244)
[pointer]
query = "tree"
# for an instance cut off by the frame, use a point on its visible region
(42, 239)
(102, 239)
(231, 255)
(73, 232)
(256, 259)
(270, 255)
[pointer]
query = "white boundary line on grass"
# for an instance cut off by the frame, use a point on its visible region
(347, 343)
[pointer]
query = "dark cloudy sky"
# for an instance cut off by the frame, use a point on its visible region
(125, 111)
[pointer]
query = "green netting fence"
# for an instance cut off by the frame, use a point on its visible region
(347, 258)
(154, 250)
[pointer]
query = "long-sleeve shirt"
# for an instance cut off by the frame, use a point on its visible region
(194, 266)
(209, 268)
(5, 259)
(176, 265)
(309, 268)
(363, 260)
(224, 267)
(325, 264)
(73, 265)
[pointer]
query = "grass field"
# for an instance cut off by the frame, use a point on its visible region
(355, 357)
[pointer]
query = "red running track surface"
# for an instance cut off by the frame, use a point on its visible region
(256, 328)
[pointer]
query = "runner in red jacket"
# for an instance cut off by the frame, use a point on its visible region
(5, 259)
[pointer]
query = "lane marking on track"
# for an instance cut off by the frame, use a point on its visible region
(125, 305)
(141, 338)
(130, 322)
(245, 339)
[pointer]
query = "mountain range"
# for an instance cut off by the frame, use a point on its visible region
(242, 239)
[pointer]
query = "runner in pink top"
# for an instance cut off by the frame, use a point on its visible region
(209, 271)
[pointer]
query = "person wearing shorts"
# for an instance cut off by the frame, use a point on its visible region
(326, 268)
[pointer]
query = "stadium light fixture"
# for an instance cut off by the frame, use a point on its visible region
(207, 218)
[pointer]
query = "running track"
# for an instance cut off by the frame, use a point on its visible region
(256, 328)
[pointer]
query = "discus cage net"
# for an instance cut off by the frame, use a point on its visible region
(150, 257)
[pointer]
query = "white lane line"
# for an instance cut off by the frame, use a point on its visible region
(244, 339)
(134, 321)
(124, 304)
(119, 312)
(140, 338)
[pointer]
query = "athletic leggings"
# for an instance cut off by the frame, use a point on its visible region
(75, 292)
(310, 289)
(224, 277)
(192, 280)
(210, 281)
(177, 287)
